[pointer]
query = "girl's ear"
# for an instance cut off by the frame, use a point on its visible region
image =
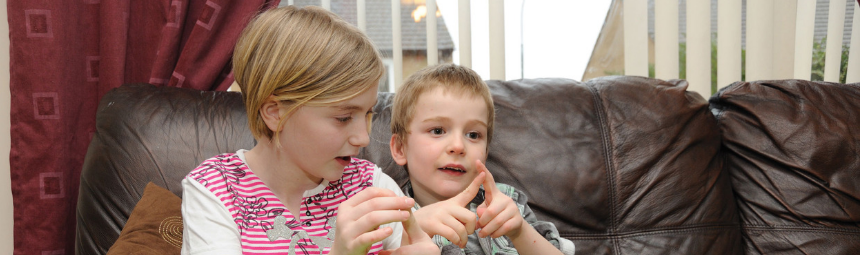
(271, 114)
(398, 152)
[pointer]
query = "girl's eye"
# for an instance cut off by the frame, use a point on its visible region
(473, 135)
(437, 131)
(344, 119)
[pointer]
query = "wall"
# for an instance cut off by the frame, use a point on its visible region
(5, 137)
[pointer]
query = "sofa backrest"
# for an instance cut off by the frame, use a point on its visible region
(148, 134)
(621, 165)
(792, 148)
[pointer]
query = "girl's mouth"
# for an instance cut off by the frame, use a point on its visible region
(345, 160)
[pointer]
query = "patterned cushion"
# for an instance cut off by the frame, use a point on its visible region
(155, 225)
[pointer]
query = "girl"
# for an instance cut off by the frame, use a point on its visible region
(309, 82)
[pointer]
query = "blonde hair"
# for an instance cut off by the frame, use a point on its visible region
(301, 56)
(452, 78)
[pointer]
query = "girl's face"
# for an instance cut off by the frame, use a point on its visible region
(446, 135)
(321, 140)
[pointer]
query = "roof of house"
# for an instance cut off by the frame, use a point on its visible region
(821, 13)
(413, 34)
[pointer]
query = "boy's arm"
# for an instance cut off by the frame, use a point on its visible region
(499, 215)
(529, 241)
(539, 232)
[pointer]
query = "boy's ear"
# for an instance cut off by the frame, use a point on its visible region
(270, 111)
(398, 152)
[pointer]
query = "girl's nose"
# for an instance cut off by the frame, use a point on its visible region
(361, 134)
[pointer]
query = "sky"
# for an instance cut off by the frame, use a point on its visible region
(557, 38)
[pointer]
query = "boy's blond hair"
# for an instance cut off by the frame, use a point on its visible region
(450, 77)
(301, 56)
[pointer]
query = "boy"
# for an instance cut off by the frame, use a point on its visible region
(442, 122)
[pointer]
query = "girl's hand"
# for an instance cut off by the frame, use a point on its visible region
(450, 218)
(498, 215)
(360, 216)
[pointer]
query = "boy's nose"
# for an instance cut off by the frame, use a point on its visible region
(456, 146)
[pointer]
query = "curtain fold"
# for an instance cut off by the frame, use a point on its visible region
(64, 55)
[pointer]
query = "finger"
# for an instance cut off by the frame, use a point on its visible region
(374, 219)
(382, 203)
(413, 230)
(506, 228)
(496, 223)
(471, 191)
(456, 231)
(414, 249)
(489, 182)
(492, 211)
(365, 240)
(367, 194)
(466, 218)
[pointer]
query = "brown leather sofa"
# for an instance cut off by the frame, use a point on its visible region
(621, 165)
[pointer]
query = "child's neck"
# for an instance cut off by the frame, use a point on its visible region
(424, 197)
(281, 175)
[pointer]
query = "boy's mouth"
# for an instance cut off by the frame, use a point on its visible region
(453, 169)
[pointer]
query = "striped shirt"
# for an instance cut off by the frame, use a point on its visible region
(264, 224)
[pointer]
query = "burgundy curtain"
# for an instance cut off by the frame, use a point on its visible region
(65, 55)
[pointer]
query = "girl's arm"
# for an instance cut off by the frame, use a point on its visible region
(207, 226)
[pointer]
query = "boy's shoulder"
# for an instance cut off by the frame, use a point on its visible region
(518, 196)
(507, 189)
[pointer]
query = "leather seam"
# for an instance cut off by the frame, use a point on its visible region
(607, 152)
(651, 232)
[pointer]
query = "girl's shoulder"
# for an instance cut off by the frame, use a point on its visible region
(360, 170)
(221, 162)
(362, 164)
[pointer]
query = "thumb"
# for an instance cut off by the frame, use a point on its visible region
(470, 192)
(480, 210)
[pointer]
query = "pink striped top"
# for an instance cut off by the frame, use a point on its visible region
(265, 224)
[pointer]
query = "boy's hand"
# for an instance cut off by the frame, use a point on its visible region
(415, 241)
(450, 218)
(359, 217)
(498, 215)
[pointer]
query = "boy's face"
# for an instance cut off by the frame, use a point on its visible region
(445, 137)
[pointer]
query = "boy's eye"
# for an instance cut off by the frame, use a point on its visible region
(473, 135)
(437, 131)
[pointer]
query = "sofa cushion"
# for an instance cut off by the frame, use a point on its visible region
(792, 148)
(155, 225)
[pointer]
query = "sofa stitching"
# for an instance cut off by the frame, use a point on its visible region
(650, 232)
(760, 228)
(604, 134)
